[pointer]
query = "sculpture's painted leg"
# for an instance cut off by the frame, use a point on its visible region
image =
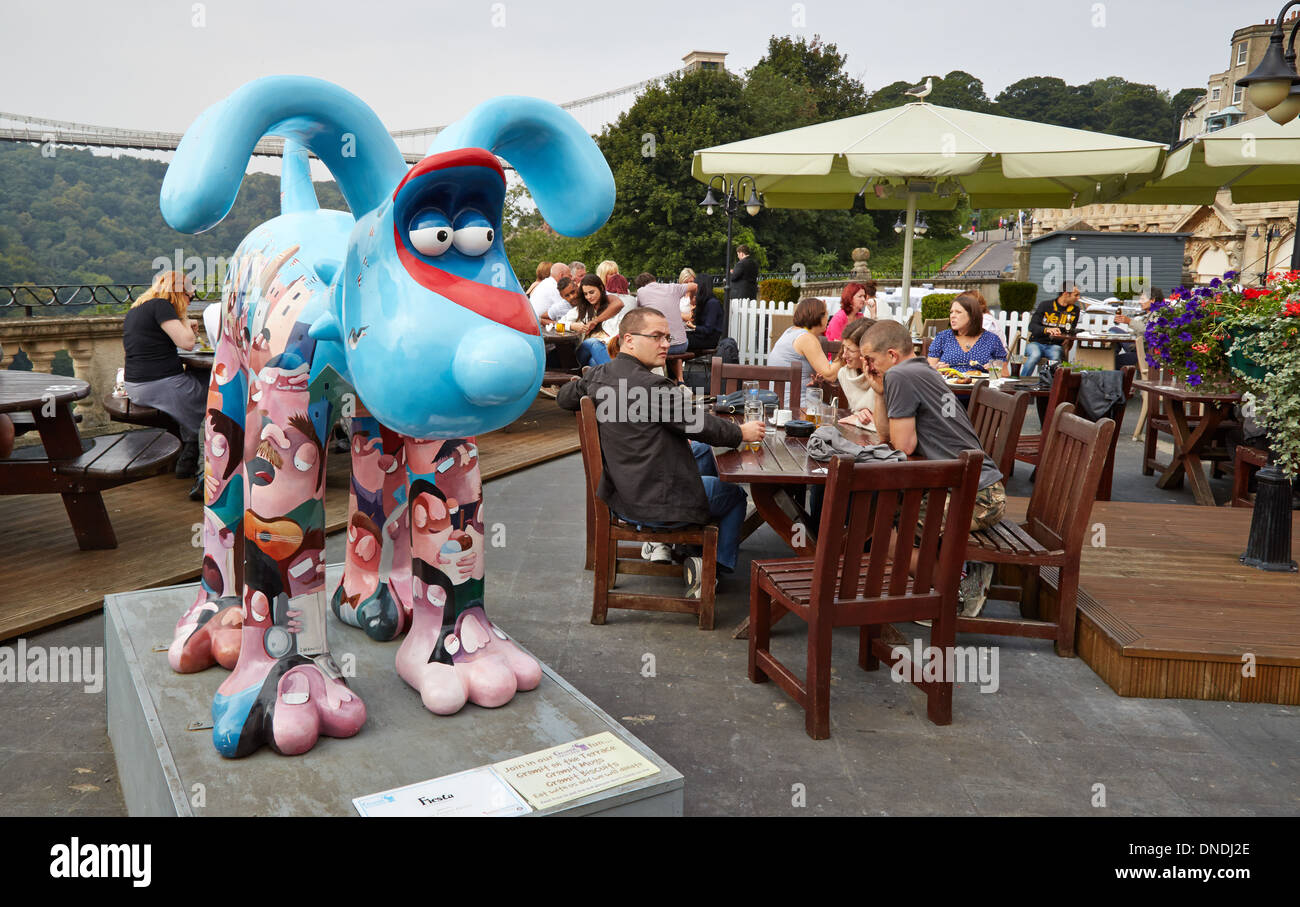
(209, 631)
(363, 597)
(453, 652)
(286, 689)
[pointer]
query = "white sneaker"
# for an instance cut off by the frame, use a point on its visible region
(657, 553)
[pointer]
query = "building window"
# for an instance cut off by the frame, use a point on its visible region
(1241, 53)
(1236, 95)
(708, 65)
(1214, 93)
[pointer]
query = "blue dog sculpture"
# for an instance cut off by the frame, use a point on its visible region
(404, 315)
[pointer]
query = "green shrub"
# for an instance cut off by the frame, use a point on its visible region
(1127, 288)
(778, 289)
(720, 293)
(1017, 296)
(937, 305)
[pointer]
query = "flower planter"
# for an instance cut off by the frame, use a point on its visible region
(1239, 360)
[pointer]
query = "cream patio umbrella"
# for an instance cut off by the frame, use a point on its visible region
(924, 156)
(1257, 161)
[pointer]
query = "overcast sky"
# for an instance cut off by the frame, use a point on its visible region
(154, 64)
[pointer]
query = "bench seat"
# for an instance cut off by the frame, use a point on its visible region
(121, 409)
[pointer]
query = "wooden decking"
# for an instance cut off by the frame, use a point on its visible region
(1166, 611)
(45, 578)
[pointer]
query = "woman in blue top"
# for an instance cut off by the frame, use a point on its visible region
(967, 345)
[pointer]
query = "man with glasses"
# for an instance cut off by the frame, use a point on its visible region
(1048, 326)
(658, 446)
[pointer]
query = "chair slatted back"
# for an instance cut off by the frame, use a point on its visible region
(593, 463)
(1065, 389)
(1074, 453)
(998, 419)
(726, 377)
(867, 497)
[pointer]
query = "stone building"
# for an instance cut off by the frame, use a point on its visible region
(1224, 236)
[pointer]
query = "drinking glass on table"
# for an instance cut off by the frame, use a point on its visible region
(750, 388)
(754, 413)
(812, 400)
(995, 371)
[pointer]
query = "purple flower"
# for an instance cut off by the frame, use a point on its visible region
(1185, 337)
(1193, 380)
(1228, 275)
(1215, 282)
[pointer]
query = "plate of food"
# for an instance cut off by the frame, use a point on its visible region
(961, 378)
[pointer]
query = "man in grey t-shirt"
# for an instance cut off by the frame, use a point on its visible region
(916, 412)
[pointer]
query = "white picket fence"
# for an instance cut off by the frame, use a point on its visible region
(751, 324)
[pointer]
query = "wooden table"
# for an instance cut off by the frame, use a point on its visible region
(564, 346)
(196, 360)
(1217, 402)
(49, 399)
(772, 471)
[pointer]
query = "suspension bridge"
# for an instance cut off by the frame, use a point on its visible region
(594, 112)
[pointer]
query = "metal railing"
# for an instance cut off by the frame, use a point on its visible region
(72, 298)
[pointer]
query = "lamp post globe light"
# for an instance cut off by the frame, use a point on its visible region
(1273, 85)
(731, 205)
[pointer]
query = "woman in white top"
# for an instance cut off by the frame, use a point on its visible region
(687, 277)
(801, 342)
(859, 393)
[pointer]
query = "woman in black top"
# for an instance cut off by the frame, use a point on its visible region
(154, 328)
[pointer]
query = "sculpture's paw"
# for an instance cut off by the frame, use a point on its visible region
(492, 666)
(380, 615)
(208, 633)
(442, 689)
(297, 701)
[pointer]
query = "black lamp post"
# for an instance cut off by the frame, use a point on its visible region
(731, 205)
(1274, 87)
(1271, 233)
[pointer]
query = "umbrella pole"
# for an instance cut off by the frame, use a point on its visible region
(907, 257)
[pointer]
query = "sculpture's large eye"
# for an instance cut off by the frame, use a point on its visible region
(431, 232)
(474, 234)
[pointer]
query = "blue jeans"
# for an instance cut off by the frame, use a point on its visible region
(1036, 351)
(591, 352)
(726, 505)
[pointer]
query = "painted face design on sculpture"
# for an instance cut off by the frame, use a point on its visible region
(223, 450)
(289, 465)
(456, 469)
(431, 525)
(370, 464)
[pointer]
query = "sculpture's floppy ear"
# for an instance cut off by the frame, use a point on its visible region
(561, 165)
(204, 176)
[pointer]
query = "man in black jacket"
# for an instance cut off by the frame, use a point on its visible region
(655, 473)
(1052, 320)
(744, 276)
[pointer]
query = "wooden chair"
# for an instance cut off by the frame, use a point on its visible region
(871, 590)
(1052, 534)
(939, 324)
(1116, 414)
(725, 378)
(612, 557)
(998, 419)
(1139, 344)
(1245, 461)
(1065, 389)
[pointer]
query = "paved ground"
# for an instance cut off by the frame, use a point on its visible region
(1041, 744)
(986, 254)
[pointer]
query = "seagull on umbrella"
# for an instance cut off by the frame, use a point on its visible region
(921, 92)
